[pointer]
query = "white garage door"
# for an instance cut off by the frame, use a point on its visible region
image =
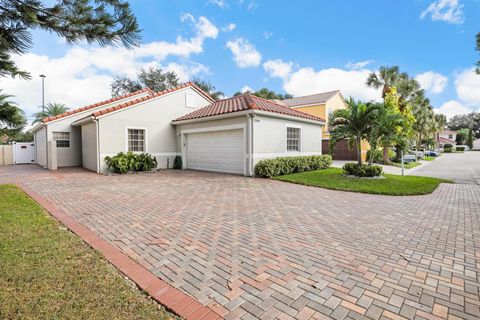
(220, 151)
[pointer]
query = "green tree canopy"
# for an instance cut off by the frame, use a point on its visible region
(51, 109)
(267, 94)
(153, 78)
(208, 88)
(471, 121)
(12, 120)
(478, 49)
(106, 22)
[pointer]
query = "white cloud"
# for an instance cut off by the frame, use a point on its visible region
(432, 82)
(229, 27)
(83, 75)
(278, 68)
(246, 88)
(358, 65)
(244, 54)
(307, 81)
(220, 3)
(467, 84)
(450, 11)
(452, 108)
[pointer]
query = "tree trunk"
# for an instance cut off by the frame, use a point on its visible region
(386, 158)
(359, 151)
(373, 150)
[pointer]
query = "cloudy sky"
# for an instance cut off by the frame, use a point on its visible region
(299, 47)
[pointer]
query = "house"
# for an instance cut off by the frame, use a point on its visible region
(323, 105)
(447, 137)
(229, 135)
(476, 144)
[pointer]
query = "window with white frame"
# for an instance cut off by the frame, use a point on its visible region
(136, 140)
(293, 139)
(62, 139)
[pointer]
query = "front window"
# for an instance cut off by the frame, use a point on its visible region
(136, 140)
(450, 136)
(293, 139)
(62, 139)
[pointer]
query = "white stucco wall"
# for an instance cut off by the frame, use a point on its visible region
(270, 138)
(155, 117)
(89, 146)
(41, 147)
(69, 157)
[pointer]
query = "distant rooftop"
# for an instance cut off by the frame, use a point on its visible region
(309, 100)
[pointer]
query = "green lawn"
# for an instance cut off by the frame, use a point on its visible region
(407, 165)
(333, 178)
(427, 158)
(46, 272)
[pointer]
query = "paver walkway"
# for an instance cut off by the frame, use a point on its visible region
(252, 248)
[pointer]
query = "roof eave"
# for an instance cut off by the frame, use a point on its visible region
(37, 127)
(83, 121)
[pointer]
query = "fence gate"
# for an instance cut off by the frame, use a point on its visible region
(23, 152)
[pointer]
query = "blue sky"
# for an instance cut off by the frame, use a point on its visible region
(301, 47)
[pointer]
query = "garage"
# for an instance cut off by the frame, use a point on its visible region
(220, 151)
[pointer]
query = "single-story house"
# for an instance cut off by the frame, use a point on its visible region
(229, 135)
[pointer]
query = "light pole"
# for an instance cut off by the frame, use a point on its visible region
(43, 93)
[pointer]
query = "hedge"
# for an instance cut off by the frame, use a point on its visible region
(353, 169)
(286, 165)
(459, 148)
(130, 162)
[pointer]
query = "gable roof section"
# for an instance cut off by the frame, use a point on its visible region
(318, 98)
(128, 104)
(243, 103)
(96, 105)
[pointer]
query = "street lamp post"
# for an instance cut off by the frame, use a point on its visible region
(43, 93)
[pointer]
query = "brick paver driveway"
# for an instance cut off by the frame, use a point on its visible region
(252, 248)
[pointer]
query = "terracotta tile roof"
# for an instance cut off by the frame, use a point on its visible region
(95, 105)
(153, 95)
(242, 103)
(308, 100)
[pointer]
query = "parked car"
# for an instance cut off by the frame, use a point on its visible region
(431, 153)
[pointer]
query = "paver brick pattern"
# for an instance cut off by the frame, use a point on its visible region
(251, 248)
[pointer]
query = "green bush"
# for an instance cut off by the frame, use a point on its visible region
(177, 163)
(130, 162)
(447, 146)
(460, 148)
(378, 157)
(353, 169)
(280, 166)
(447, 150)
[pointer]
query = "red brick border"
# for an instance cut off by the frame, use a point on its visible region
(172, 298)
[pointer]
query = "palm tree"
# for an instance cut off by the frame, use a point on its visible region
(386, 78)
(12, 120)
(353, 123)
(478, 49)
(387, 126)
(51, 109)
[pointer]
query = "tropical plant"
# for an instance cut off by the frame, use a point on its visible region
(362, 170)
(462, 136)
(153, 78)
(385, 79)
(286, 165)
(104, 22)
(12, 120)
(51, 109)
(208, 88)
(353, 123)
(470, 139)
(177, 163)
(130, 162)
(478, 49)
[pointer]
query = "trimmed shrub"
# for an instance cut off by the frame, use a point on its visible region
(447, 146)
(280, 166)
(353, 169)
(130, 162)
(447, 150)
(177, 163)
(460, 148)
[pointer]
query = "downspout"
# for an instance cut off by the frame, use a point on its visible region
(46, 146)
(97, 126)
(251, 148)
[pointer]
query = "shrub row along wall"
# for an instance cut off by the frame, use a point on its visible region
(280, 166)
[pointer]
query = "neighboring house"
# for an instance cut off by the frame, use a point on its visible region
(447, 137)
(230, 135)
(323, 105)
